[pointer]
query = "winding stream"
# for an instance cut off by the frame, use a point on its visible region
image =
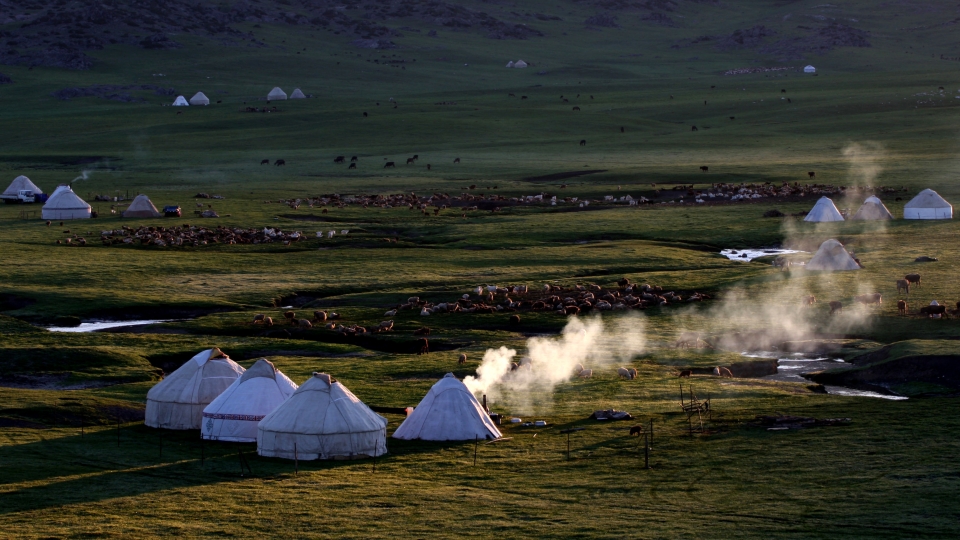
(104, 325)
(792, 367)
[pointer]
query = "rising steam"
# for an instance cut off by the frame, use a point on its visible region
(864, 162)
(551, 361)
(84, 175)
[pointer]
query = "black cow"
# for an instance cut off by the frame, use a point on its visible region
(265, 162)
(338, 159)
(389, 164)
(583, 142)
(280, 162)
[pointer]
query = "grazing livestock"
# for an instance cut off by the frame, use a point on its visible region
(364, 115)
(410, 161)
(867, 299)
(457, 160)
(721, 371)
(633, 373)
(688, 339)
(320, 316)
(385, 326)
(576, 108)
(290, 316)
(585, 374)
(623, 283)
(352, 166)
(422, 331)
(693, 128)
(423, 346)
(389, 164)
(583, 142)
(463, 359)
(704, 168)
(809, 300)
(934, 311)
(623, 373)
(812, 174)
(514, 319)
(428, 166)
(621, 129)
(913, 278)
(352, 159)
(903, 285)
(733, 117)
(338, 159)
(305, 324)
(901, 307)
(280, 162)
(258, 318)
(265, 162)
(836, 307)
(268, 321)
(523, 97)
(636, 430)
(686, 373)
(390, 313)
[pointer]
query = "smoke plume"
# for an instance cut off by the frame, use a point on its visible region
(863, 162)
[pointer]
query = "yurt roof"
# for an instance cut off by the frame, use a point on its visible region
(520, 64)
(180, 102)
(64, 198)
(872, 209)
(323, 406)
(19, 183)
(824, 210)
(297, 94)
(277, 93)
(234, 415)
(449, 412)
(200, 98)
(928, 198)
(832, 256)
(177, 401)
(141, 206)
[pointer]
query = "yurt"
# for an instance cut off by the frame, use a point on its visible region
(65, 204)
(178, 400)
(927, 205)
(510, 64)
(199, 99)
(322, 420)
(832, 257)
(277, 94)
(180, 102)
(141, 207)
(823, 211)
(19, 184)
(449, 412)
(872, 209)
(234, 414)
(519, 64)
(297, 94)
(809, 69)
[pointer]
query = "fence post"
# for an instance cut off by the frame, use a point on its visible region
(476, 444)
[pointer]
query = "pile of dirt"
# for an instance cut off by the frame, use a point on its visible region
(113, 92)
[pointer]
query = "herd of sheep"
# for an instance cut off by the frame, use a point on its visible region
(188, 235)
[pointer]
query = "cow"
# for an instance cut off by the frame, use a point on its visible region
(389, 164)
(874, 298)
(364, 115)
(338, 159)
(812, 174)
(576, 108)
(836, 307)
(704, 168)
(280, 162)
(903, 285)
(352, 166)
(901, 307)
(913, 278)
(693, 128)
(733, 117)
(686, 373)
(636, 430)
(352, 159)
(410, 161)
(265, 162)
(931, 311)
(621, 129)
(428, 166)
(583, 142)
(423, 346)
(523, 97)
(783, 90)
(457, 160)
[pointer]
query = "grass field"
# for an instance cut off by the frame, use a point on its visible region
(872, 116)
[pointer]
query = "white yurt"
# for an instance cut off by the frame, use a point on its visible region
(234, 415)
(872, 209)
(927, 205)
(809, 69)
(449, 412)
(519, 64)
(199, 99)
(832, 257)
(277, 94)
(510, 64)
(823, 211)
(297, 94)
(65, 204)
(180, 102)
(20, 183)
(322, 420)
(178, 400)
(141, 207)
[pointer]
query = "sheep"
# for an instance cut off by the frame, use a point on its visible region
(424, 312)
(320, 316)
(334, 315)
(268, 321)
(514, 366)
(258, 318)
(422, 331)
(585, 374)
(463, 359)
(623, 373)
(903, 285)
(809, 300)
(386, 326)
(290, 316)
(633, 373)
(423, 346)
(303, 323)
(390, 313)
(413, 300)
(578, 368)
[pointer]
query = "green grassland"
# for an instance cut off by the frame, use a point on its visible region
(890, 473)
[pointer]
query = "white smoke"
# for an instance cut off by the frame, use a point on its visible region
(550, 361)
(864, 162)
(84, 175)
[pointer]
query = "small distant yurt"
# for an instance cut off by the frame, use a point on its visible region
(199, 99)
(297, 94)
(65, 204)
(141, 207)
(928, 205)
(872, 209)
(234, 415)
(20, 183)
(449, 412)
(322, 420)
(823, 211)
(180, 102)
(520, 64)
(178, 400)
(832, 257)
(510, 64)
(809, 69)
(277, 94)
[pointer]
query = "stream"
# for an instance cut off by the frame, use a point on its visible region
(792, 367)
(747, 255)
(104, 325)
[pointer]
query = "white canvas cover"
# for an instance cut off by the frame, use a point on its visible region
(872, 209)
(276, 94)
(65, 204)
(824, 210)
(19, 183)
(234, 415)
(322, 420)
(510, 64)
(832, 257)
(809, 69)
(141, 207)
(449, 412)
(928, 205)
(519, 64)
(178, 400)
(180, 102)
(297, 94)
(199, 99)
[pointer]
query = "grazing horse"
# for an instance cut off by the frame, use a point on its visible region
(389, 164)
(576, 108)
(456, 160)
(704, 168)
(812, 174)
(354, 158)
(409, 161)
(352, 166)
(416, 157)
(693, 128)
(265, 162)
(583, 142)
(364, 115)
(338, 159)
(280, 162)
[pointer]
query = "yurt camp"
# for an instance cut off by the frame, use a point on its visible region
(65, 204)
(277, 94)
(832, 257)
(141, 207)
(297, 94)
(449, 412)
(322, 420)
(928, 204)
(823, 211)
(199, 99)
(180, 102)
(20, 183)
(234, 414)
(178, 400)
(872, 209)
